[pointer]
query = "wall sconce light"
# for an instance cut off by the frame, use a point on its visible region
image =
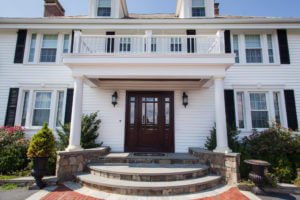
(185, 99)
(114, 99)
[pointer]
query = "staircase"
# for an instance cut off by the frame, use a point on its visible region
(155, 175)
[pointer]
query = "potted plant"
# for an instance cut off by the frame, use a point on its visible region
(42, 146)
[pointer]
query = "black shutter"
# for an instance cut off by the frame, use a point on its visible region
(20, 46)
(110, 45)
(69, 103)
(283, 47)
(191, 41)
(291, 111)
(72, 42)
(230, 109)
(227, 38)
(11, 107)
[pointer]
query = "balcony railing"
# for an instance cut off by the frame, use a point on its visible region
(155, 44)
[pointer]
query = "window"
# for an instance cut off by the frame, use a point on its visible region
(125, 44)
(41, 110)
(253, 49)
(104, 8)
(236, 48)
(198, 8)
(276, 97)
(176, 45)
(240, 109)
(259, 110)
(32, 48)
(60, 104)
(153, 45)
(270, 48)
(25, 107)
(49, 48)
(66, 43)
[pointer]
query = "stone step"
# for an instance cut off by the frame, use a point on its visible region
(168, 158)
(148, 172)
(126, 187)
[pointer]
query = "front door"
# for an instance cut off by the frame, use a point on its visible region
(149, 122)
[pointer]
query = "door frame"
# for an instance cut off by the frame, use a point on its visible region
(171, 140)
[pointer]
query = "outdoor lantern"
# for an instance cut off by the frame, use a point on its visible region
(185, 99)
(114, 99)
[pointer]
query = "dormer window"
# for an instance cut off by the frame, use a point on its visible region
(103, 8)
(198, 8)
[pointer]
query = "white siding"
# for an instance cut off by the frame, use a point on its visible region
(285, 75)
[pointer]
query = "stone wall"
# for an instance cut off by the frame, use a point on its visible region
(226, 165)
(70, 163)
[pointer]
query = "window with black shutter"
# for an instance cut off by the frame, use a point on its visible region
(20, 46)
(69, 103)
(11, 107)
(283, 47)
(230, 109)
(227, 38)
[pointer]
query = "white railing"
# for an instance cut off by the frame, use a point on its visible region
(155, 44)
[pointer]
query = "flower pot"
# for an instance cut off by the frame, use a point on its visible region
(40, 169)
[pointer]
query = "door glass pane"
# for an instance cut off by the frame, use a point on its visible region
(167, 112)
(149, 111)
(132, 111)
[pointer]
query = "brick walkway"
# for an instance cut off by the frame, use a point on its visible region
(64, 193)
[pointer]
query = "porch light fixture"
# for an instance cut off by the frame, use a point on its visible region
(185, 99)
(114, 99)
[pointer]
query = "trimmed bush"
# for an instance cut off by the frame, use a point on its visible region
(13, 145)
(90, 125)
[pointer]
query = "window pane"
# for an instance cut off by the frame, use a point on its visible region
(41, 112)
(176, 45)
(198, 3)
(25, 107)
(32, 48)
(60, 104)
(240, 107)
(104, 3)
(260, 119)
(132, 111)
(270, 49)
(43, 100)
(149, 111)
(236, 48)
(66, 43)
(259, 112)
(276, 96)
(252, 41)
(104, 12)
(48, 55)
(254, 55)
(49, 41)
(198, 12)
(125, 44)
(258, 101)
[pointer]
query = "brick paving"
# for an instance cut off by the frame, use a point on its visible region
(64, 193)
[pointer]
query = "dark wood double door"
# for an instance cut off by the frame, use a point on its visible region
(149, 122)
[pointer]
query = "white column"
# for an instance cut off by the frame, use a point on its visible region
(76, 45)
(148, 34)
(75, 132)
(221, 41)
(222, 140)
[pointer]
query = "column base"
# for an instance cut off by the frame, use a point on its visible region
(74, 148)
(222, 150)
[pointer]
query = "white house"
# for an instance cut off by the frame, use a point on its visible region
(160, 82)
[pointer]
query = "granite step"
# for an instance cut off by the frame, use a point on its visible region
(126, 187)
(148, 172)
(168, 158)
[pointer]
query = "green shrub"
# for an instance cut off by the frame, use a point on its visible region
(13, 145)
(280, 147)
(89, 132)
(297, 180)
(42, 144)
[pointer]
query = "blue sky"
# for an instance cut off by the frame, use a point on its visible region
(278, 8)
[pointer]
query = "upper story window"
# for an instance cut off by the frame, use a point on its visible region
(198, 8)
(125, 44)
(253, 49)
(176, 45)
(257, 48)
(49, 48)
(103, 8)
